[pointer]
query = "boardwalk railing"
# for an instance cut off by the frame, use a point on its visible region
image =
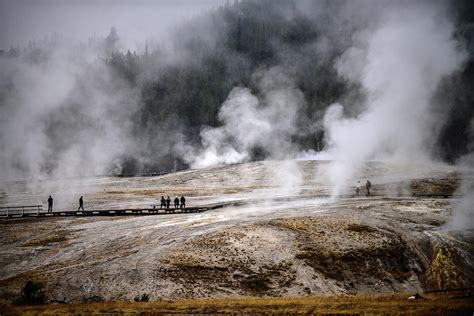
(37, 211)
(23, 210)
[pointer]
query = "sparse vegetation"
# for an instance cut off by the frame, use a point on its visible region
(355, 259)
(447, 185)
(144, 298)
(442, 273)
(268, 278)
(32, 293)
(360, 228)
(93, 299)
(359, 264)
(256, 283)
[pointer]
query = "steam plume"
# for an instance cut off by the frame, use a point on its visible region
(250, 122)
(399, 64)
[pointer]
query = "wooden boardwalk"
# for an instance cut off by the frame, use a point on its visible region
(37, 211)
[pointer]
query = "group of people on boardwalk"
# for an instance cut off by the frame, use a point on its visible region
(368, 185)
(165, 203)
(50, 204)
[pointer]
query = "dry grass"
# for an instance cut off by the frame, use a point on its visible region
(361, 304)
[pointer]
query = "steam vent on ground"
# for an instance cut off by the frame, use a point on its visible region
(252, 156)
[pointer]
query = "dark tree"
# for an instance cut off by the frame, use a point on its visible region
(31, 294)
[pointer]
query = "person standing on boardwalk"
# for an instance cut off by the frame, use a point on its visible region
(368, 185)
(168, 202)
(176, 202)
(358, 188)
(50, 204)
(81, 204)
(183, 202)
(162, 202)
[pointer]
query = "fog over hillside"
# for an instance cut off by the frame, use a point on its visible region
(105, 87)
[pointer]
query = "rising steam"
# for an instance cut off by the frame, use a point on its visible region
(399, 64)
(249, 122)
(67, 117)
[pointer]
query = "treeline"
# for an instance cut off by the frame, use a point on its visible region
(246, 37)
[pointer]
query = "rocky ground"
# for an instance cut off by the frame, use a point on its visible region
(288, 238)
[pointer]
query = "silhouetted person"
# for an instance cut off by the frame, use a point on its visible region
(163, 202)
(183, 202)
(367, 186)
(81, 204)
(168, 202)
(176, 202)
(50, 204)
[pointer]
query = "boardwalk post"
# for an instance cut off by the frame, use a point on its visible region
(7, 212)
(22, 211)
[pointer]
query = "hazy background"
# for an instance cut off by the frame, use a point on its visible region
(22, 21)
